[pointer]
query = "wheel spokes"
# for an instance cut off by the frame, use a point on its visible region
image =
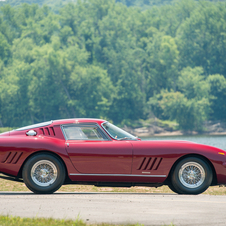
(191, 174)
(44, 173)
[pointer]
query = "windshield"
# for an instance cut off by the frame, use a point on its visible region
(117, 133)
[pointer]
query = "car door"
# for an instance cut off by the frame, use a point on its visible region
(92, 152)
(151, 159)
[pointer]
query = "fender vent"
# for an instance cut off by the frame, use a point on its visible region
(47, 131)
(11, 157)
(149, 163)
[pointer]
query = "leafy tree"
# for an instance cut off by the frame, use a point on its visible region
(5, 49)
(8, 97)
(201, 38)
(10, 26)
(217, 85)
(189, 113)
(162, 63)
(91, 92)
(47, 90)
(125, 59)
(192, 83)
(189, 106)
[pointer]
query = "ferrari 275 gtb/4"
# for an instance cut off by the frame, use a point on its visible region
(93, 151)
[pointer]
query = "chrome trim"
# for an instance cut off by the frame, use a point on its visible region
(43, 124)
(115, 126)
(104, 136)
(106, 130)
(31, 133)
(116, 175)
(192, 174)
(44, 173)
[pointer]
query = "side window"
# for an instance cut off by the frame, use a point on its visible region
(82, 133)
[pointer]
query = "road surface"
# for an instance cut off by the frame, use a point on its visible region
(119, 208)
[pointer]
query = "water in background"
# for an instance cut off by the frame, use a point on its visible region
(216, 141)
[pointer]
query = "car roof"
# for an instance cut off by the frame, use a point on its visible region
(63, 122)
(77, 120)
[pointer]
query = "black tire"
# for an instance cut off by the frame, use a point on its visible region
(191, 175)
(43, 173)
(172, 188)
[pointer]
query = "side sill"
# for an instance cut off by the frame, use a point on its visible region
(116, 175)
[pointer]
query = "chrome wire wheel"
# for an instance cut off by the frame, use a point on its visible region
(44, 173)
(192, 174)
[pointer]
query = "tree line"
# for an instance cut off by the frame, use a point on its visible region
(103, 59)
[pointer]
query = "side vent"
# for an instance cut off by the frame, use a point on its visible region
(47, 131)
(41, 131)
(11, 157)
(51, 131)
(149, 163)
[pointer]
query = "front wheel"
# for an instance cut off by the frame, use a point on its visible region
(43, 173)
(191, 175)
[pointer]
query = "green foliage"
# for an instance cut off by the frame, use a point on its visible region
(102, 58)
(162, 56)
(192, 83)
(91, 92)
(217, 85)
(4, 49)
(189, 113)
(190, 106)
(202, 38)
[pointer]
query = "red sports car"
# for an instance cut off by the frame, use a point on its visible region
(93, 151)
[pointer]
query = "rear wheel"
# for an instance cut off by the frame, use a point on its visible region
(43, 173)
(191, 175)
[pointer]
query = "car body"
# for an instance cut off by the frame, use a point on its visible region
(93, 151)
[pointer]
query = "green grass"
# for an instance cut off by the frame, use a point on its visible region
(5, 129)
(6, 185)
(18, 221)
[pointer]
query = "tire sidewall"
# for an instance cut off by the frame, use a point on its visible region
(185, 190)
(26, 174)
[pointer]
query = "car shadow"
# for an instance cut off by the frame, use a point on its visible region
(84, 193)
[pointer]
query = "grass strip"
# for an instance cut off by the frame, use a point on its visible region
(19, 221)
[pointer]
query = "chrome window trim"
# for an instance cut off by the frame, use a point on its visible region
(109, 133)
(116, 175)
(106, 130)
(43, 124)
(105, 138)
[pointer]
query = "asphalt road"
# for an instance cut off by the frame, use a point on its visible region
(119, 208)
